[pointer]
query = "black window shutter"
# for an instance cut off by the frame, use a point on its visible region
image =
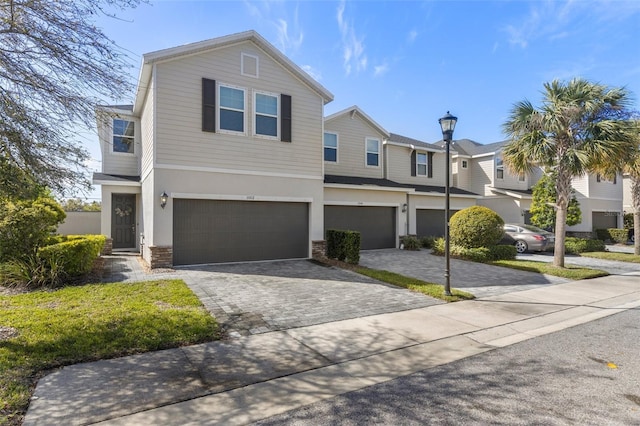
(208, 105)
(430, 164)
(285, 118)
(413, 163)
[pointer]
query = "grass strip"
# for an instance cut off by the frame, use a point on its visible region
(414, 284)
(610, 255)
(569, 271)
(48, 329)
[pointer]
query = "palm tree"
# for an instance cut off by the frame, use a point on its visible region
(632, 168)
(577, 130)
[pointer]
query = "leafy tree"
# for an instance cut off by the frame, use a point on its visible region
(542, 210)
(78, 205)
(55, 67)
(26, 225)
(577, 130)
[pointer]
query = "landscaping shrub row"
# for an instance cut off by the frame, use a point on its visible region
(476, 254)
(574, 245)
(343, 245)
(616, 235)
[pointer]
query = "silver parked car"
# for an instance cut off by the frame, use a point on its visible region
(528, 238)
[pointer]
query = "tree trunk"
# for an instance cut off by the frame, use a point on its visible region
(563, 192)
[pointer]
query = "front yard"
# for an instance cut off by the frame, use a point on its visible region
(49, 329)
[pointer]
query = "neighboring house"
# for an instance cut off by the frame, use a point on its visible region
(231, 131)
(382, 184)
(480, 169)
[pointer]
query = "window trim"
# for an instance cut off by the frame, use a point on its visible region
(499, 167)
(255, 114)
(366, 152)
(219, 109)
(418, 163)
(325, 147)
(133, 138)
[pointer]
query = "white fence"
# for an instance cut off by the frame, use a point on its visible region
(80, 223)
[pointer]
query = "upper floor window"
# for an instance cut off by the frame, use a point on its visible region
(123, 136)
(266, 118)
(465, 164)
(330, 147)
(499, 168)
(373, 152)
(421, 164)
(231, 109)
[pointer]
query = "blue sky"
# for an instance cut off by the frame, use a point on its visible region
(406, 63)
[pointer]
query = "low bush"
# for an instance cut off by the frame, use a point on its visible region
(410, 242)
(476, 226)
(75, 256)
(574, 245)
(615, 235)
(427, 242)
(476, 254)
(343, 245)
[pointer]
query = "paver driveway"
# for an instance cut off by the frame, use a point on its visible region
(253, 298)
(478, 278)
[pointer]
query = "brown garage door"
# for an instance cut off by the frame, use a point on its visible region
(604, 220)
(430, 222)
(377, 225)
(214, 231)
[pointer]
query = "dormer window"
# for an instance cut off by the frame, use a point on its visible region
(123, 136)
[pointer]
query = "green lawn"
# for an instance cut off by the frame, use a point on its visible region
(47, 329)
(430, 289)
(610, 255)
(569, 271)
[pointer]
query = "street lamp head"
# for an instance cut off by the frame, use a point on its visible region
(447, 124)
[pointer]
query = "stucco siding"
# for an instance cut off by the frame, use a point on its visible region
(627, 199)
(180, 140)
(508, 208)
(418, 201)
(590, 205)
(605, 189)
(352, 134)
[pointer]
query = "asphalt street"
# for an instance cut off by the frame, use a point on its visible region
(586, 375)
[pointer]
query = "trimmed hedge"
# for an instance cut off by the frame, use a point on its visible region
(476, 254)
(76, 255)
(574, 245)
(343, 245)
(476, 226)
(616, 235)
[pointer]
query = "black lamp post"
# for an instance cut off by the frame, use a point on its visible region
(447, 123)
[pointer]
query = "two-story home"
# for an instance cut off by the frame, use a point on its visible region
(219, 159)
(480, 169)
(382, 184)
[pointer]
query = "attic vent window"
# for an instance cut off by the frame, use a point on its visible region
(249, 65)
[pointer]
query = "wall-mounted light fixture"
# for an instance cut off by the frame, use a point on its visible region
(163, 199)
(404, 208)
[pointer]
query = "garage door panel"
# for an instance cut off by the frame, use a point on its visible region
(430, 222)
(215, 231)
(604, 220)
(377, 225)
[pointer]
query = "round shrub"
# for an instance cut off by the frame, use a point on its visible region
(476, 226)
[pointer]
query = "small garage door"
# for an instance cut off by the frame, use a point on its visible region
(215, 231)
(604, 220)
(430, 223)
(377, 225)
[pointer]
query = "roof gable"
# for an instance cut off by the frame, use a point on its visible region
(355, 110)
(174, 53)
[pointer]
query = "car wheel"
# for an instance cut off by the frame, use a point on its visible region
(521, 246)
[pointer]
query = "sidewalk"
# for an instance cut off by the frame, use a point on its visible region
(250, 378)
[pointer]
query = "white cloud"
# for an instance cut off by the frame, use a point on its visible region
(288, 33)
(353, 53)
(285, 40)
(411, 37)
(380, 70)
